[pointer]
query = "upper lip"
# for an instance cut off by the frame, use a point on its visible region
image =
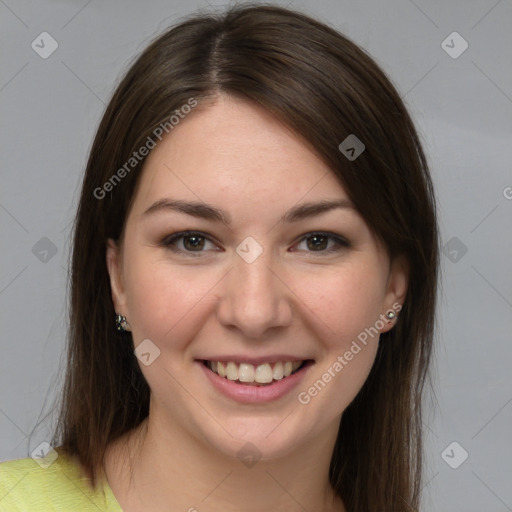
(275, 358)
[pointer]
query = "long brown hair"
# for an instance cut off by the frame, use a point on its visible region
(323, 87)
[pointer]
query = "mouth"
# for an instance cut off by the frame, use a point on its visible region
(260, 375)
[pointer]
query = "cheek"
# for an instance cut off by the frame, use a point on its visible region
(165, 301)
(346, 300)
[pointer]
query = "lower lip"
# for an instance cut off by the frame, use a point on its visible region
(255, 394)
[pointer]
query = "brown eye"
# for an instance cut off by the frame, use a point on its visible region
(193, 242)
(317, 242)
(189, 243)
(322, 243)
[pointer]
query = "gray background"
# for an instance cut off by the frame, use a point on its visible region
(463, 109)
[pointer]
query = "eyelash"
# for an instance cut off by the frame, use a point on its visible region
(169, 241)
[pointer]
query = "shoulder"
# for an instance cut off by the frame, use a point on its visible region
(54, 483)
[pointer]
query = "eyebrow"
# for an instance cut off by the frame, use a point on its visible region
(208, 212)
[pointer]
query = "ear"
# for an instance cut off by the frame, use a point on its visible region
(114, 266)
(396, 291)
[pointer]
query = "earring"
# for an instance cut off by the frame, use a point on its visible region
(121, 324)
(390, 315)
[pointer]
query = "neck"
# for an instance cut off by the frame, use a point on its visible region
(163, 467)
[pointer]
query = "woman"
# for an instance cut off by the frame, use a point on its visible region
(253, 283)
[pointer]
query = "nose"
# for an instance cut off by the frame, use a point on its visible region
(254, 298)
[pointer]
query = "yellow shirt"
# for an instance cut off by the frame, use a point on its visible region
(27, 486)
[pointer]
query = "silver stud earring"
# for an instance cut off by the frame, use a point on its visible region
(390, 315)
(121, 324)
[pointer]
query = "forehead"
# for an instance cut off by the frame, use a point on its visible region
(234, 153)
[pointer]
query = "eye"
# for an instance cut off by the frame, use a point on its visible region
(191, 243)
(322, 242)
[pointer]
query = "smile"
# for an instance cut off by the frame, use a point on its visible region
(257, 375)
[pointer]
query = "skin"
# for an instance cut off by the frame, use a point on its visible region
(293, 299)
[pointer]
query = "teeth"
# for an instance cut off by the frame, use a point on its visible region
(261, 374)
(232, 371)
(278, 371)
(245, 372)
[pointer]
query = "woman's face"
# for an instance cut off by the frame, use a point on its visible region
(269, 279)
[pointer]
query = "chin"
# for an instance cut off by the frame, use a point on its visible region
(263, 438)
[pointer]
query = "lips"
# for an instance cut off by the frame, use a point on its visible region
(255, 392)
